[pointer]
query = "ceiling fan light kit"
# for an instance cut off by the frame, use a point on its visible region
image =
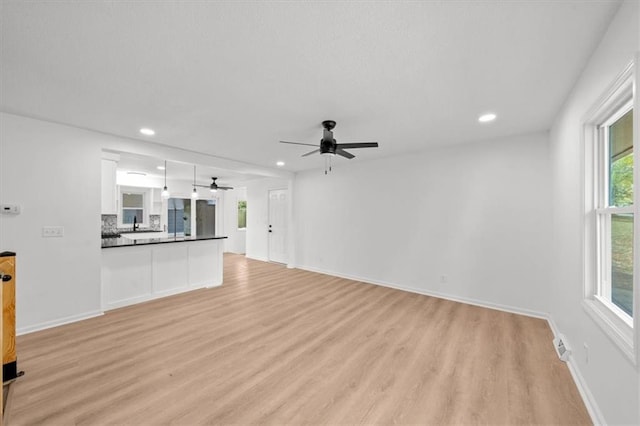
(330, 147)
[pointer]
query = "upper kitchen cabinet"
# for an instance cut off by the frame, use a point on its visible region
(109, 193)
(156, 201)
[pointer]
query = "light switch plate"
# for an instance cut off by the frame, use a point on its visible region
(10, 209)
(52, 231)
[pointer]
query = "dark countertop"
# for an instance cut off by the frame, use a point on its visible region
(126, 242)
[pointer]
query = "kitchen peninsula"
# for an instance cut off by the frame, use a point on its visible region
(137, 270)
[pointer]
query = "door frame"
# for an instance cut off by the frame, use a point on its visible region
(286, 225)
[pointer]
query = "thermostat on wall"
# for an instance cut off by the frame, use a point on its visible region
(9, 209)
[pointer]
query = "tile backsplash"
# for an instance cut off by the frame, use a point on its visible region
(110, 223)
(154, 222)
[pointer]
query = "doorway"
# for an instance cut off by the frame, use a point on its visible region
(278, 208)
(205, 218)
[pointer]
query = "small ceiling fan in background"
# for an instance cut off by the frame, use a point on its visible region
(329, 145)
(213, 187)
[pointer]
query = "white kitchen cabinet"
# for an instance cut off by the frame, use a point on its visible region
(156, 201)
(138, 273)
(109, 193)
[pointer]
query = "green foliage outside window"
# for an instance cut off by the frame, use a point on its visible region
(622, 181)
(242, 214)
(621, 195)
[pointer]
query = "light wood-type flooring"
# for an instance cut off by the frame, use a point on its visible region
(283, 346)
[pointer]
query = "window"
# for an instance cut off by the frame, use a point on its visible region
(610, 219)
(614, 212)
(242, 214)
(132, 207)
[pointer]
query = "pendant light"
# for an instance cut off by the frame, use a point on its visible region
(194, 194)
(165, 192)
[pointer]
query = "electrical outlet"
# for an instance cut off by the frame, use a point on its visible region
(52, 231)
(444, 279)
(586, 353)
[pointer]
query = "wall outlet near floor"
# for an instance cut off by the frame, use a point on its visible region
(586, 352)
(444, 279)
(52, 231)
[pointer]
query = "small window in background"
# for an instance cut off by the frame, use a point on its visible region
(132, 207)
(242, 214)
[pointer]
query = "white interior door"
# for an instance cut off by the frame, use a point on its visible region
(278, 207)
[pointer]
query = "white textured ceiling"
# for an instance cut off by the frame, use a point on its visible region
(232, 78)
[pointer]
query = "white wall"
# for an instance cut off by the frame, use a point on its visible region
(608, 376)
(258, 215)
(477, 213)
(236, 239)
(54, 173)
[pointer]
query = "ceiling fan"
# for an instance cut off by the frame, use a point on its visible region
(329, 146)
(214, 186)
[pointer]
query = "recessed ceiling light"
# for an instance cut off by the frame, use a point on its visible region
(485, 118)
(147, 131)
(160, 167)
(137, 173)
(280, 163)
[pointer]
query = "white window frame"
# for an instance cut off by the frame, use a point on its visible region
(245, 220)
(146, 197)
(618, 325)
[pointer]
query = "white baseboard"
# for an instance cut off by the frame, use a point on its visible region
(260, 258)
(454, 298)
(127, 302)
(57, 322)
(233, 252)
(110, 306)
(589, 401)
(158, 295)
(587, 397)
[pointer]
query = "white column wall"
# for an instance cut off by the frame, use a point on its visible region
(54, 173)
